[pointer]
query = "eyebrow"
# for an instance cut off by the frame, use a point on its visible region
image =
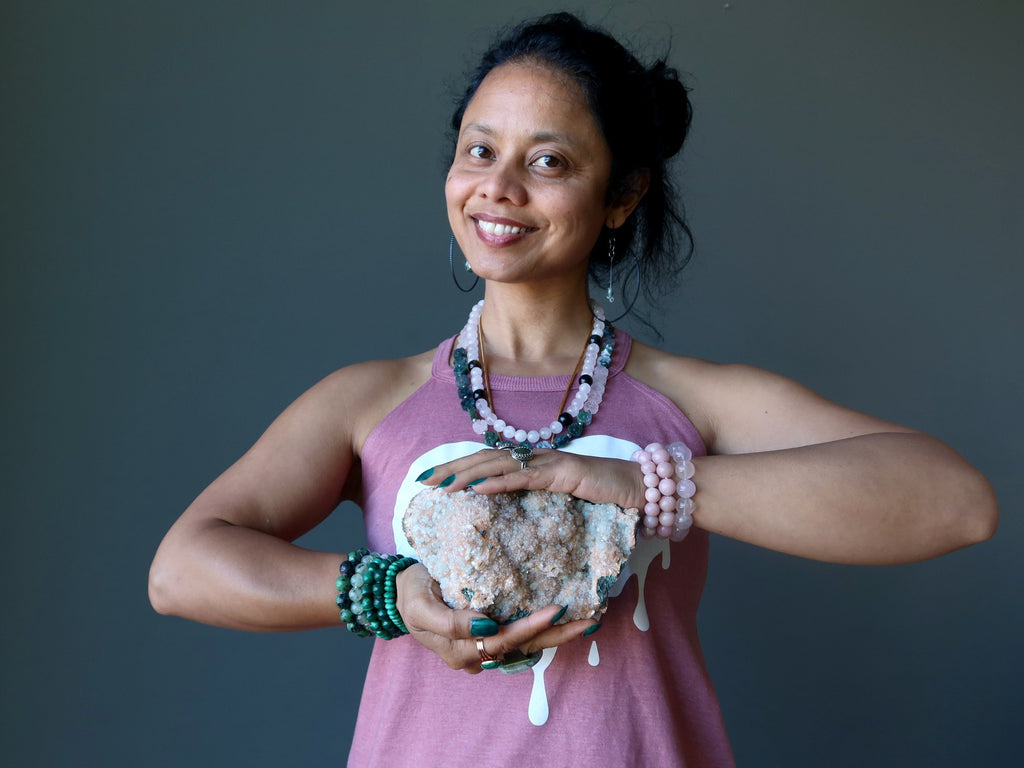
(558, 138)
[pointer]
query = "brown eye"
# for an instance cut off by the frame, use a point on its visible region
(480, 152)
(548, 161)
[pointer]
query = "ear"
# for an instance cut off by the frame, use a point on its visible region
(632, 190)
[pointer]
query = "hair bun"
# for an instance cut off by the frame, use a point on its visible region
(672, 107)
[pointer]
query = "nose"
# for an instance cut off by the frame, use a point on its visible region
(504, 182)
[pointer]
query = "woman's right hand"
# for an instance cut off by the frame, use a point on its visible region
(452, 634)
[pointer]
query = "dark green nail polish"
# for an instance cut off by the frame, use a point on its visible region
(476, 482)
(483, 627)
(560, 614)
(591, 630)
(424, 475)
(446, 482)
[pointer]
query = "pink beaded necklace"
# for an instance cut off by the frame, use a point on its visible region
(474, 387)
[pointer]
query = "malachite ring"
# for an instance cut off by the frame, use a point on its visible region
(522, 454)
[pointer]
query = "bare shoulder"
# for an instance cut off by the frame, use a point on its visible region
(740, 408)
(364, 393)
(675, 376)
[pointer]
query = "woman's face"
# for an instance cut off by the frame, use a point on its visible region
(527, 188)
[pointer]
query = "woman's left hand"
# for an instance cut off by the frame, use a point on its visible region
(593, 479)
(450, 633)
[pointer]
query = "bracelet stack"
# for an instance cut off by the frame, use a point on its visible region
(366, 594)
(668, 512)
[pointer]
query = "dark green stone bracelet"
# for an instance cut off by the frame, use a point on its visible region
(367, 594)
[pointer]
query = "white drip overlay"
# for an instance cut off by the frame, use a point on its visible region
(639, 562)
(538, 709)
(643, 554)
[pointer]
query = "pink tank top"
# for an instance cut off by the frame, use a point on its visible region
(636, 693)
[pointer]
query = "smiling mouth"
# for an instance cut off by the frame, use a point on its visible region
(499, 229)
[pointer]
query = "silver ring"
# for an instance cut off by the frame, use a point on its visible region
(522, 454)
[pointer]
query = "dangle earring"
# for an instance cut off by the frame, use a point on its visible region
(451, 266)
(636, 293)
(611, 266)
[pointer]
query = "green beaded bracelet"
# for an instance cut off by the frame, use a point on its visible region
(391, 592)
(367, 594)
(349, 614)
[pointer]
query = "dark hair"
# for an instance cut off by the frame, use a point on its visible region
(644, 114)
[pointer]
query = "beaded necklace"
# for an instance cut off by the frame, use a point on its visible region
(475, 392)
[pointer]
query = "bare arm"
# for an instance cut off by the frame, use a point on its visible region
(788, 470)
(793, 472)
(229, 560)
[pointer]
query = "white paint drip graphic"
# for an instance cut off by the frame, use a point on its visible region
(539, 695)
(639, 562)
(641, 559)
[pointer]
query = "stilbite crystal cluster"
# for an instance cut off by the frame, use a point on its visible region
(508, 554)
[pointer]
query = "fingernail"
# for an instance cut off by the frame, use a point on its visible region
(476, 482)
(560, 614)
(446, 482)
(591, 630)
(424, 475)
(483, 627)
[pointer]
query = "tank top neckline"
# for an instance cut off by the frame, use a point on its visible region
(442, 369)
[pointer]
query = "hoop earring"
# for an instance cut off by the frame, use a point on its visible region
(451, 266)
(611, 267)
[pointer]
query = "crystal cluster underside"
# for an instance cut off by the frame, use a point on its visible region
(509, 554)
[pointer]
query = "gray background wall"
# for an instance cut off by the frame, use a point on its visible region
(207, 206)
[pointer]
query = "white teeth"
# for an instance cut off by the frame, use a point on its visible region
(499, 229)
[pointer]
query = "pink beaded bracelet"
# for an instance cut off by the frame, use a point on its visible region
(668, 512)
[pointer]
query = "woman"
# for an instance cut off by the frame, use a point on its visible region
(557, 177)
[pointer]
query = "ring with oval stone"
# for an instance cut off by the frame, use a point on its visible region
(522, 454)
(487, 661)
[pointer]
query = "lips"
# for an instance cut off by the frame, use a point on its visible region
(499, 229)
(496, 231)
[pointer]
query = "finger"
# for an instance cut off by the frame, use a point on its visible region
(523, 638)
(486, 658)
(524, 653)
(524, 631)
(476, 465)
(561, 634)
(597, 480)
(453, 624)
(421, 604)
(491, 644)
(526, 657)
(461, 474)
(547, 470)
(423, 609)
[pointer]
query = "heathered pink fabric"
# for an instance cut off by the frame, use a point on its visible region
(649, 702)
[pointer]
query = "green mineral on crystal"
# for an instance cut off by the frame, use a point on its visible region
(509, 554)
